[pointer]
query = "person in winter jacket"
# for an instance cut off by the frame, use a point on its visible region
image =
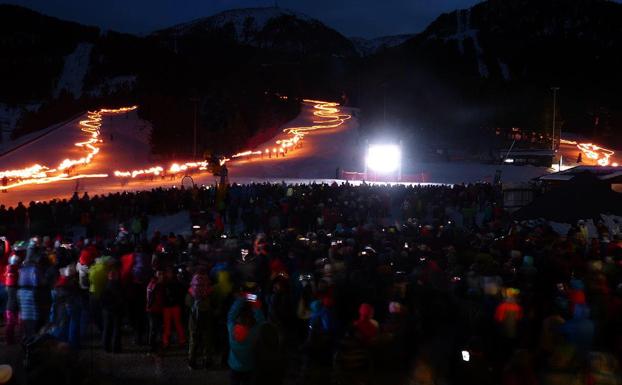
(366, 326)
(576, 294)
(174, 294)
(98, 277)
(11, 278)
(136, 229)
(270, 356)
(509, 313)
(200, 322)
(153, 305)
(67, 310)
(112, 302)
(579, 331)
(243, 323)
(321, 332)
(134, 280)
(5, 254)
(82, 269)
(28, 293)
(220, 303)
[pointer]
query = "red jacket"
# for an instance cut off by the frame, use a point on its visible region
(155, 296)
(11, 275)
(127, 262)
(88, 255)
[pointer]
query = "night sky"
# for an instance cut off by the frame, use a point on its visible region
(366, 18)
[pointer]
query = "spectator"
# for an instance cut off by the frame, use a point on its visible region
(201, 321)
(154, 306)
(173, 300)
(243, 322)
(112, 305)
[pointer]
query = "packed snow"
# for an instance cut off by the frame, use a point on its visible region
(464, 31)
(9, 117)
(126, 147)
(239, 18)
(112, 85)
(74, 70)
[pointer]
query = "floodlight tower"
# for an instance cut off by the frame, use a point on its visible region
(555, 89)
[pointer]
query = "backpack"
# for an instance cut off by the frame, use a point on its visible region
(29, 276)
(141, 269)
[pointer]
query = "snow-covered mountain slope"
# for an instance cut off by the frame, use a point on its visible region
(9, 117)
(245, 21)
(75, 68)
(366, 47)
(268, 28)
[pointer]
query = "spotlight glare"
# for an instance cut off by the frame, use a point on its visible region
(383, 158)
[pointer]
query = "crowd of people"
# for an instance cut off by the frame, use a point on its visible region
(322, 283)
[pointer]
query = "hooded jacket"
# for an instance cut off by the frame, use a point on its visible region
(580, 329)
(242, 338)
(98, 276)
(366, 326)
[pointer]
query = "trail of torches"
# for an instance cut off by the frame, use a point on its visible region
(329, 115)
(329, 112)
(601, 155)
(40, 174)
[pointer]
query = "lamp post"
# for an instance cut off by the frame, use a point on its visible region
(194, 100)
(555, 89)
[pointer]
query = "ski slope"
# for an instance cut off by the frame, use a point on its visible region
(323, 138)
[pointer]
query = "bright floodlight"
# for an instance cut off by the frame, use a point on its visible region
(383, 158)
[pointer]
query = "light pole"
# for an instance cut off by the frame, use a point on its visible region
(384, 104)
(194, 142)
(555, 89)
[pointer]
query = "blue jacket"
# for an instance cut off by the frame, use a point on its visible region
(580, 329)
(241, 354)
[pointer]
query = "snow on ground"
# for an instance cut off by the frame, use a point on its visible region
(9, 116)
(112, 85)
(322, 152)
(325, 151)
(74, 70)
(464, 32)
(126, 147)
(178, 223)
(8, 120)
(238, 18)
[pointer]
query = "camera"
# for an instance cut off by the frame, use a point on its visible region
(305, 277)
(466, 356)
